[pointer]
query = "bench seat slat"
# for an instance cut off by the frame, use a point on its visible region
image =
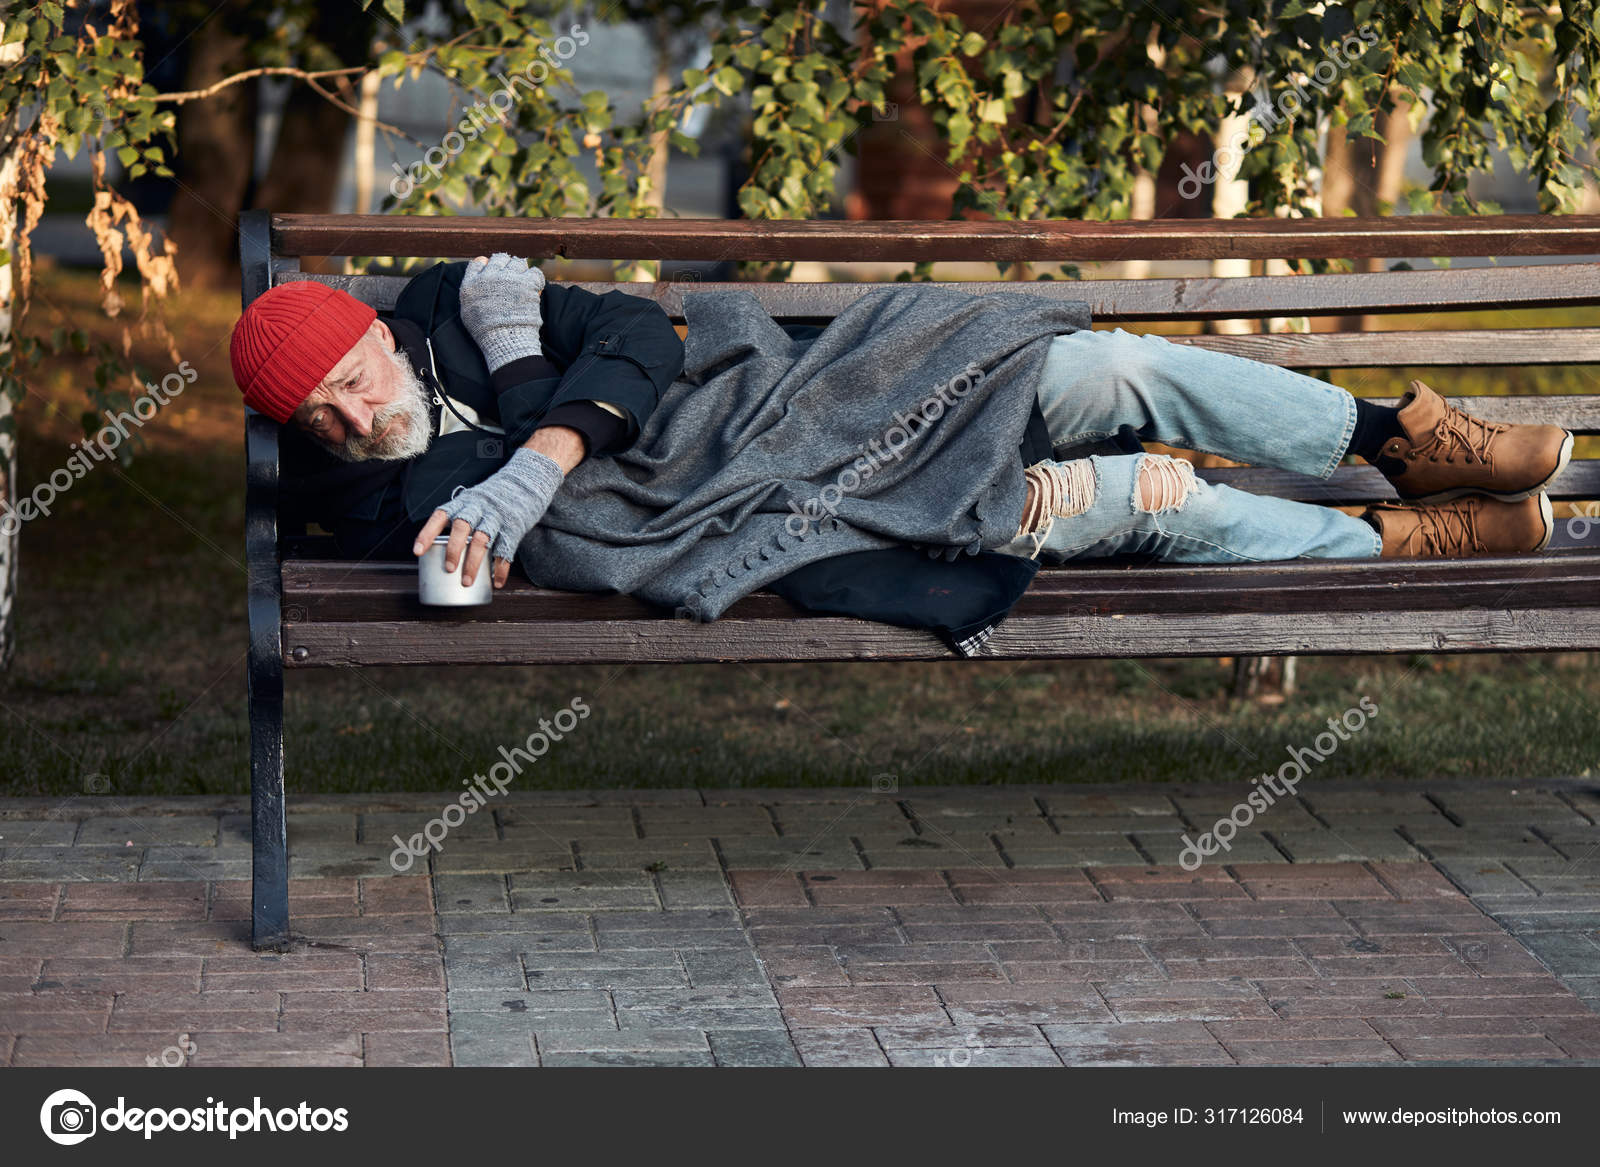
(339, 614)
(1120, 301)
(827, 638)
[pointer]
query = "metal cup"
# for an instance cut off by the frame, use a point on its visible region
(440, 588)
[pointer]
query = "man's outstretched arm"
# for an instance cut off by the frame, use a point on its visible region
(499, 301)
(499, 511)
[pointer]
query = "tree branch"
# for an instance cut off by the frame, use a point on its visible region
(264, 71)
(310, 78)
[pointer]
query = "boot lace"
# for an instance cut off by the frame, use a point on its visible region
(1460, 432)
(1446, 531)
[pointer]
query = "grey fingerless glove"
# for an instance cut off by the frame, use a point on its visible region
(510, 502)
(500, 308)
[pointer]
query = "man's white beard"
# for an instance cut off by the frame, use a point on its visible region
(411, 439)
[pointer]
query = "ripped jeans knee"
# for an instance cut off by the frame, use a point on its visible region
(1155, 505)
(1103, 505)
(1163, 483)
(1063, 490)
(1056, 490)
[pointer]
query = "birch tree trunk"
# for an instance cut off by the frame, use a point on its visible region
(1362, 175)
(655, 173)
(1142, 202)
(9, 538)
(365, 152)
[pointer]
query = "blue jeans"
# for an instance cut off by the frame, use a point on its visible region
(1094, 383)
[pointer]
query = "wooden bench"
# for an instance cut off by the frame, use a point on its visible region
(309, 611)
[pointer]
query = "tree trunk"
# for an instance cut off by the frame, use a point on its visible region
(1228, 197)
(9, 538)
(302, 175)
(655, 172)
(216, 155)
(1362, 176)
(365, 152)
(1142, 202)
(366, 142)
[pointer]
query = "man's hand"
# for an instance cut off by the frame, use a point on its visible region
(493, 517)
(500, 307)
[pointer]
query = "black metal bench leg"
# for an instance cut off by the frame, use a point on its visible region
(269, 893)
(269, 850)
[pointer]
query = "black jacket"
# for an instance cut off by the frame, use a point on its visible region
(623, 350)
(616, 348)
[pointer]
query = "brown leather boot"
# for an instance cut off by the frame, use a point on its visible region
(1447, 453)
(1469, 526)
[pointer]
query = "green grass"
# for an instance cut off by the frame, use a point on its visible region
(131, 664)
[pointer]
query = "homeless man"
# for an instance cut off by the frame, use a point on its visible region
(914, 461)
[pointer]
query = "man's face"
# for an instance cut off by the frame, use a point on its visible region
(370, 405)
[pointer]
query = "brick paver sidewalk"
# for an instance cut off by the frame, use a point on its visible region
(934, 926)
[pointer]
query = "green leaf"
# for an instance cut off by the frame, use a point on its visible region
(396, 10)
(728, 80)
(960, 127)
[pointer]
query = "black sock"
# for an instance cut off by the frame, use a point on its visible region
(1375, 425)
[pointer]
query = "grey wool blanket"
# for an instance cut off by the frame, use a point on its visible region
(900, 423)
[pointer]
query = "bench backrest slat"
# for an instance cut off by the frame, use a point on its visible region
(901, 240)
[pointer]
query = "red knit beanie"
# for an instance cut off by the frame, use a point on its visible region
(289, 338)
